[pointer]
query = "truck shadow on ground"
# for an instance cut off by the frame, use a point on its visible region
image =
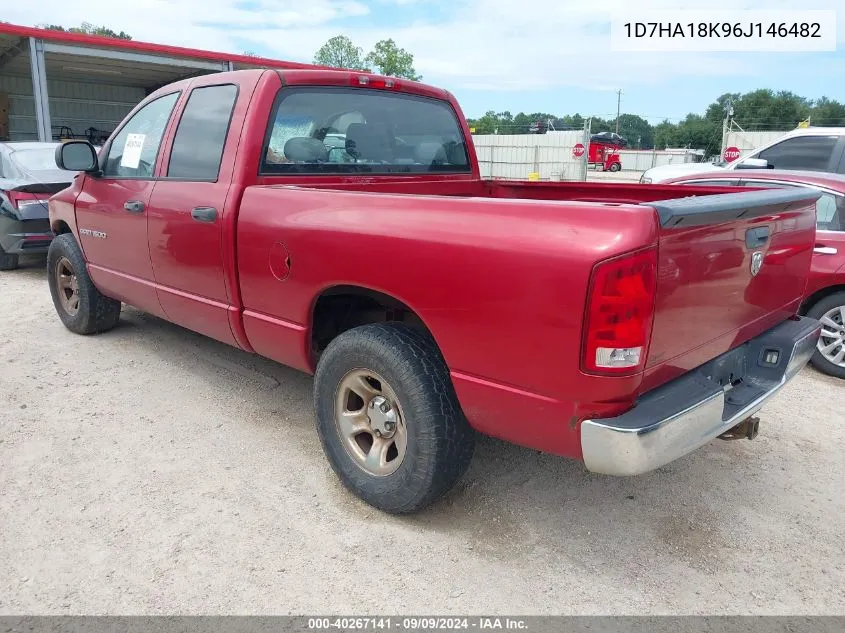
(516, 502)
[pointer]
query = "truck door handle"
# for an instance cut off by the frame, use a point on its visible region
(756, 237)
(204, 214)
(825, 250)
(134, 206)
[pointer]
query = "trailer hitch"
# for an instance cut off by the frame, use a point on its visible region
(747, 429)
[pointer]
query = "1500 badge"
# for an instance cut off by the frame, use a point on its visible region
(99, 234)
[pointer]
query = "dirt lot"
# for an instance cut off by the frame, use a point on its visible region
(149, 470)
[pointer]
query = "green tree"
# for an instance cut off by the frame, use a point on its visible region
(87, 28)
(340, 52)
(636, 129)
(665, 135)
(827, 112)
(393, 61)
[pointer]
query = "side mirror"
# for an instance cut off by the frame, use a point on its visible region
(77, 156)
(753, 163)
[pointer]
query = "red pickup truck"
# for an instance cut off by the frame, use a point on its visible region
(337, 222)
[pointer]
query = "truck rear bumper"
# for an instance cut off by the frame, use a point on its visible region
(683, 415)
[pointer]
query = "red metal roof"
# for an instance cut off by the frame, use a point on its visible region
(146, 47)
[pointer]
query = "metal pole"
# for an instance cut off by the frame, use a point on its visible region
(618, 108)
(585, 157)
(39, 90)
(729, 111)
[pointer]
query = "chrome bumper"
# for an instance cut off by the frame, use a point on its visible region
(688, 412)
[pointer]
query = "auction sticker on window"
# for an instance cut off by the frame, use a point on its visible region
(132, 150)
(723, 31)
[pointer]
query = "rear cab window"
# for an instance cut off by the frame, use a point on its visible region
(331, 130)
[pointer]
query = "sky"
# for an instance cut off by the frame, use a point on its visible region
(537, 56)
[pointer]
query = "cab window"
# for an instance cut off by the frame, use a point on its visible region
(330, 130)
(811, 153)
(133, 151)
(830, 212)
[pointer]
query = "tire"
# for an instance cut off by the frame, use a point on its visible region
(8, 261)
(833, 302)
(406, 368)
(94, 311)
(615, 167)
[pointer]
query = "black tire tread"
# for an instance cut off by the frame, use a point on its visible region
(8, 261)
(97, 312)
(418, 373)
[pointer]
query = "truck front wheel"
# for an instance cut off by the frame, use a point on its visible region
(388, 417)
(81, 307)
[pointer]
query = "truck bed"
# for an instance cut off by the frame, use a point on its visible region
(467, 187)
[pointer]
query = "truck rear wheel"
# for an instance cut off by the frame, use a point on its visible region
(830, 352)
(615, 167)
(81, 307)
(388, 417)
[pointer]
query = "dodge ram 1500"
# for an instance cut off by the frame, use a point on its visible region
(337, 222)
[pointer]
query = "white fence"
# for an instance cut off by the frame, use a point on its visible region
(640, 160)
(515, 156)
(747, 141)
(551, 155)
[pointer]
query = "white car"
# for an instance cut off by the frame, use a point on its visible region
(809, 149)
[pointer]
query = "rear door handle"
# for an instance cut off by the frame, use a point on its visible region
(825, 250)
(204, 214)
(756, 237)
(134, 206)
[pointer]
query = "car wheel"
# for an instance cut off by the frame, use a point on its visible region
(81, 307)
(830, 351)
(388, 417)
(8, 261)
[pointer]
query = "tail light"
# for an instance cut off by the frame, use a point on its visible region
(20, 200)
(620, 311)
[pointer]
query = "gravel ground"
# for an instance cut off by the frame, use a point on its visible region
(149, 470)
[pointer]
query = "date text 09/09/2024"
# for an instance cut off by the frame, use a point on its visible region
(417, 623)
(722, 29)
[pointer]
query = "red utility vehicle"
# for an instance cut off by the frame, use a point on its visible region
(336, 222)
(824, 297)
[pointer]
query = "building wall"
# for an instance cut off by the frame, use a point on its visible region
(21, 107)
(77, 105)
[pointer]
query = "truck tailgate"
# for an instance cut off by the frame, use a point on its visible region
(730, 266)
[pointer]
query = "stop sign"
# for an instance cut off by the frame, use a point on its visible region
(578, 150)
(731, 153)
